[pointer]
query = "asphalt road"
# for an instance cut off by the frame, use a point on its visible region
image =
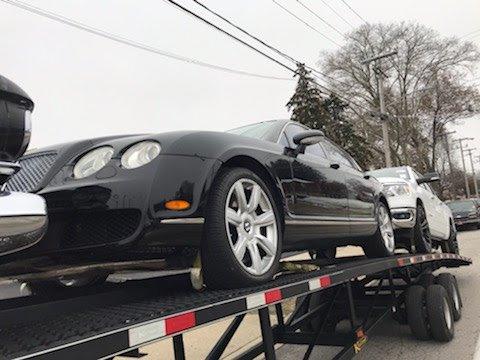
(394, 341)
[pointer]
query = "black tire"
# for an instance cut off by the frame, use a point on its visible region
(316, 299)
(449, 282)
(220, 267)
(426, 279)
(326, 254)
(421, 232)
(416, 312)
(440, 313)
(375, 246)
(451, 245)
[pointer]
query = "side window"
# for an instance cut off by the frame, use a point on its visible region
(284, 141)
(316, 150)
(336, 154)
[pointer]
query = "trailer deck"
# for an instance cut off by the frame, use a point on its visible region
(119, 319)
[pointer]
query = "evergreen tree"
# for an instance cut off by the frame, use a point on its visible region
(341, 131)
(327, 114)
(306, 102)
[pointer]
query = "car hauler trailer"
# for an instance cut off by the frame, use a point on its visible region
(119, 319)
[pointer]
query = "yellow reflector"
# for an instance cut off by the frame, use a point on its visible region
(177, 205)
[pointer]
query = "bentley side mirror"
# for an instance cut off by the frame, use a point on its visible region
(428, 178)
(307, 138)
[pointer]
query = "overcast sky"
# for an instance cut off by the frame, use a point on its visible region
(86, 86)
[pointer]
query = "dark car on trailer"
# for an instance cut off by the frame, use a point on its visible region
(23, 217)
(466, 213)
(242, 197)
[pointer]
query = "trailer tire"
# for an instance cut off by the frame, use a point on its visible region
(440, 313)
(449, 282)
(315, 300)
(426, 279)
(416, 312)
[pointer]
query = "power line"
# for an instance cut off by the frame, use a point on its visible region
(281, 53)
(470, 33)
(305, 23)
(256, 38)
(355, 12)
(198, 17)
(320, 18)
(336, 13)
(119, 39)
(95, 31)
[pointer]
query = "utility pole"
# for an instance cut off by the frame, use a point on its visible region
(447, 148)
(383, 113)
(460, 141)
(470, 154)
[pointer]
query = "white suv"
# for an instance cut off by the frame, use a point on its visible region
(421, 220)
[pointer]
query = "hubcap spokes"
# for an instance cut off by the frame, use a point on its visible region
(251, 226)
(386, 229)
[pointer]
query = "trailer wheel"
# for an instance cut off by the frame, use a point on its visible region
(426, 279)
(440, 313)
(315, 300)
(416, 312)
(449, 282)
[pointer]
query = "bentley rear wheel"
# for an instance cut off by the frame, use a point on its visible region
(241, 245)
(382, 243)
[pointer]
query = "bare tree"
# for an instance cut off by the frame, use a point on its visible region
(424, 90)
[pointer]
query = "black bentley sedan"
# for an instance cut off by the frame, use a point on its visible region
(241, 197)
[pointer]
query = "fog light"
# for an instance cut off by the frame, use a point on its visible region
(402, 215)
(177, 205)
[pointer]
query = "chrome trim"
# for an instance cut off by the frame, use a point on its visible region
(183, 221)
(331, 218)
(21, 204)
(328, 222)
(23, 221)
(8, 168)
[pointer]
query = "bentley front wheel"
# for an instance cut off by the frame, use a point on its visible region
(241, 245)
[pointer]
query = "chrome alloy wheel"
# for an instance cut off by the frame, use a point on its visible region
(386, 228)
(251, 226)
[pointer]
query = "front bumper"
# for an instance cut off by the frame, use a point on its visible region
(403, 218)
(23, 221)
(466, 221)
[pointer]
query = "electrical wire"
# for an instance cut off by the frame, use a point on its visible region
(336, 13)
(470, 33)
(354, 11)
(320, 18)
(281, 53)
(122, 40)
(306, 23)
(198, 17)
(119, 39)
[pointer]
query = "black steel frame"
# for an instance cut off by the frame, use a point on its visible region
(357, 292)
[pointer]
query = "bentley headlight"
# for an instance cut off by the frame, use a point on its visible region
(140, 154)
(92, 162)
(398, 189)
